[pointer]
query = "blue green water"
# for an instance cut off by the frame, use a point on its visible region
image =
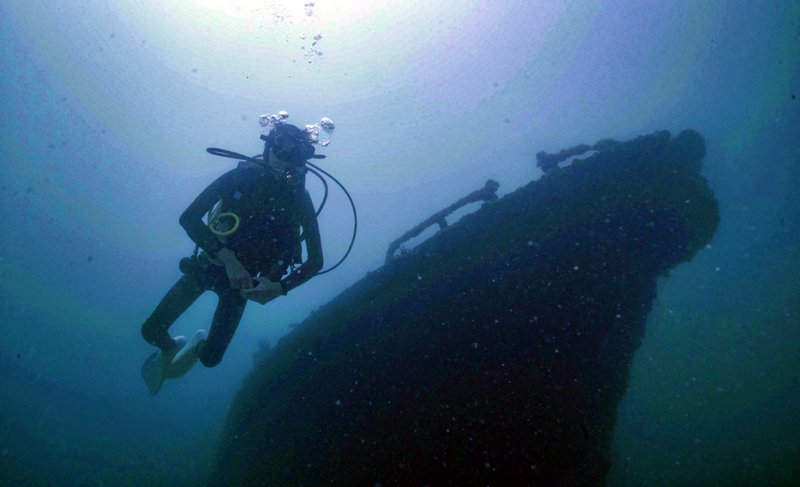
(106, 109)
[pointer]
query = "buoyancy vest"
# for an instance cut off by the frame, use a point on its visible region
(269, 213)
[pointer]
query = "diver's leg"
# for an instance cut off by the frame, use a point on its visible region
(226, 320)
(175, 302)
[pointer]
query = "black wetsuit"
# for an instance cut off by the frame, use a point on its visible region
(271, 213)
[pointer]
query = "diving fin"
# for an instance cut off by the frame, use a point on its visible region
(154, 370)
(186, 358)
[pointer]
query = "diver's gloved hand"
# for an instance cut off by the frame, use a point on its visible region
(265, 292)
(237, 274)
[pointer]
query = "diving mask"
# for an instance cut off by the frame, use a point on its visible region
(286, 171)
(290, 149)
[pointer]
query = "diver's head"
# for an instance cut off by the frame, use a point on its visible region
(289, 144)
(286, 171)
(286, 150)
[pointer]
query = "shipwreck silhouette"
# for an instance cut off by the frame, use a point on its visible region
(494, 353)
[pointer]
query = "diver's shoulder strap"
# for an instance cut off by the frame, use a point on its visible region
(250, 165)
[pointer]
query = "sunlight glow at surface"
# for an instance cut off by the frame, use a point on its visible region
(292, 10)
(380, 46)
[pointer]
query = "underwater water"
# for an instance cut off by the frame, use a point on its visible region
(107, 109)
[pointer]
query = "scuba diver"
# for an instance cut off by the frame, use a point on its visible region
(259, 214)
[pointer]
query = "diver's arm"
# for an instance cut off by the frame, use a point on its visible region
(314, 263)
(192, 218)
(238, 276)
(192, 221)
